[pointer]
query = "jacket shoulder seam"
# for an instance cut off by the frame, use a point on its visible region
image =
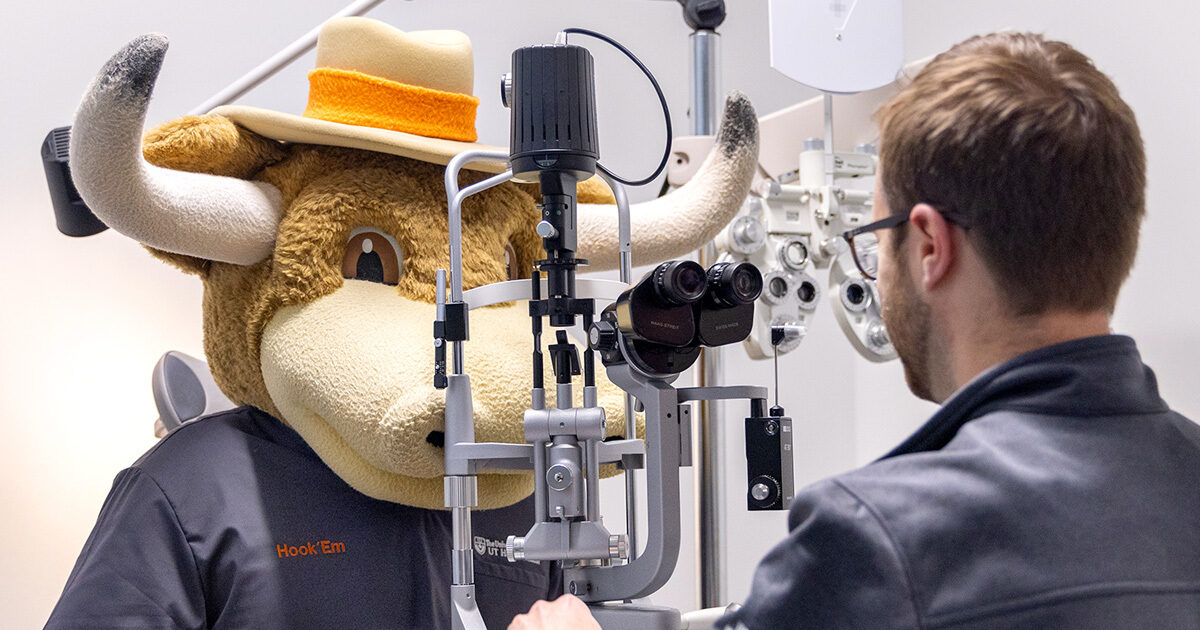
(910, 584)
(185, 427)
(182, 531)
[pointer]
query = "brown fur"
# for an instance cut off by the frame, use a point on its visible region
(327, 192)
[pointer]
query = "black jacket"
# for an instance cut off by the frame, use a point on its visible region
(1056, 490)
(232, 521)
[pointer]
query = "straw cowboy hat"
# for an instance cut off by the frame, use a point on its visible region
(378, 88)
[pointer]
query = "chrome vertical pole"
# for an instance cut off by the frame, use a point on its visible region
(705, 82)
(625, 249)
(705, 111)
(829, 153)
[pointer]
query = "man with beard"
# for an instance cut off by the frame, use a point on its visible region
(1054, 488)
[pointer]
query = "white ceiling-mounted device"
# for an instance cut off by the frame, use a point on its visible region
(838, 46)
(809, 190)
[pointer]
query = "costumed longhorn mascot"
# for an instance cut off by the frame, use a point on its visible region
(318, 503)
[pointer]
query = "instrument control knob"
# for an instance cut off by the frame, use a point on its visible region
(506, 89)
(514, 548)
(618, 548)
(602, 337)
(546, 230)
(764, 491)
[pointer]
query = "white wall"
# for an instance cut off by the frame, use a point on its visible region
(850, 411)
(83, 320)
(1148, 50)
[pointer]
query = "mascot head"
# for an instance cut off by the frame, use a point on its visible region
(317, 237)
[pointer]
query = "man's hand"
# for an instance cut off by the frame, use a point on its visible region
(565, 613)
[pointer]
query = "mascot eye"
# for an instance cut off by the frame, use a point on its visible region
(511, 263)
(372, 256)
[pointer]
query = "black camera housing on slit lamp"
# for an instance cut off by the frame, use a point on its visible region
(675, 310)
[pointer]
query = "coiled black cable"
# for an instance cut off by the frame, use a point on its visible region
(661, 99)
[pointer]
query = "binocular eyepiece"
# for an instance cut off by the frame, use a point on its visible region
(679, 282)
(733, 284)
(665, 318)
(727, 284)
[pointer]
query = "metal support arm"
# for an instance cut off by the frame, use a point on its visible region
(650, 570)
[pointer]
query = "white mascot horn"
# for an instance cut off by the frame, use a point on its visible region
(682, 221)
(207, 216)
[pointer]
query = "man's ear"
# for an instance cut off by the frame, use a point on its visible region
(212, 145)
(933, 238)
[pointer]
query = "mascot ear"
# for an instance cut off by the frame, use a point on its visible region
(592, 190)
(526, 242)
(207, 144)
(210, 144)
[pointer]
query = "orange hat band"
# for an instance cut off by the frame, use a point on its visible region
(354, 98)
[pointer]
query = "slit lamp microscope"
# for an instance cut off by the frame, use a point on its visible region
(650, 332)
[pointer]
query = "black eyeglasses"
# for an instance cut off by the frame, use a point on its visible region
(864, 242)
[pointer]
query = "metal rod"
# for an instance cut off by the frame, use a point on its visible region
(710, 479)
(631, 487)
(459, 366)
(563, 396)
(624, 237)
(625, 249)
(460, 496)
(828, 139)
(454, 199)
(705, 83)
(440, 288)
(461, 565)
(592, 453)
(589, 363)
(775, 348)
(277, 62)
(535, 294)
(539, 481)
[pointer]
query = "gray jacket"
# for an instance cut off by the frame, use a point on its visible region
(1056, 490)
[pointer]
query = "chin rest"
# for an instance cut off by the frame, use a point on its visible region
(184, 390)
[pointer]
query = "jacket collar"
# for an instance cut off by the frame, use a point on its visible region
(1093, 376)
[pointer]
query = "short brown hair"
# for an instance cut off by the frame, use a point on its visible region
(1033, 145)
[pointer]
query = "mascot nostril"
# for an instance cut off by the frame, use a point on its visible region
(324, 336)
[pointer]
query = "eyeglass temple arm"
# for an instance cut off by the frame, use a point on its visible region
(892, 221)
